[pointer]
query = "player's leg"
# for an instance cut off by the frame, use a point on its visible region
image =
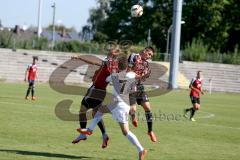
(33, 90)
(147, 108)
(133, 139)
(185, 112)
(82, 113)
(82, 123)
(192, 113)
(97, 117)
(96, 120)
(193, 101)
(133, 109)
(133, 115)
(100, 123)
(143, 100)
(28, 90)
(94, 103)
(196, 106)
(94, 99)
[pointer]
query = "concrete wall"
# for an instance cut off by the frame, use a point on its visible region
(13, 66)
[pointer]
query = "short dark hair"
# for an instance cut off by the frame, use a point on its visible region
(35, 58)
(122, 62)
(150, 48)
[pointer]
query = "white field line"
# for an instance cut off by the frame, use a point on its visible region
(218, 126)
(35, 105)
(208, 115)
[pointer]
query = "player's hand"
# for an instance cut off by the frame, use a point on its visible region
(75, 57)
(147, 74)
(25, 79)
(202, 93)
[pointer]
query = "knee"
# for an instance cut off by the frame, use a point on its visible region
(132, 110)
(124, 132)
(197, 106)
(146, 106)
(147, 109)
(83, 108)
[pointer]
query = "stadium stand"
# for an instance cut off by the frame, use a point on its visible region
(221, 77)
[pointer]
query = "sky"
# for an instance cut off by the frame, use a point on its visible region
(71, 13)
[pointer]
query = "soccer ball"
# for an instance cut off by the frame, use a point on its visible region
(136, 10)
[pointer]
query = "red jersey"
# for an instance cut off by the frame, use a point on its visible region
(196, 83)
(109, 66)
(32, 72)
(138, 65)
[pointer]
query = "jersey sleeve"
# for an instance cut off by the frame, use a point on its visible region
(201, 89)
(109, 79)
(191, 83)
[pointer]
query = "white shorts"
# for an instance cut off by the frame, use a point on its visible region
(120, 111)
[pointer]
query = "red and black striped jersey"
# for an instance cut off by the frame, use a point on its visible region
(32, 71)
(108, 66)
(197, 84)
(137, 65)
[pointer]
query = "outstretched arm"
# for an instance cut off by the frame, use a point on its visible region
(88, 59)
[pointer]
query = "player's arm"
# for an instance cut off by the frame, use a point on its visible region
(26, 74)
(146, 74)
(37, 76)
(201, 91)
(195, 89)
(88, 59)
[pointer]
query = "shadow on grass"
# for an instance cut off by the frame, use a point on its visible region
(43, 154)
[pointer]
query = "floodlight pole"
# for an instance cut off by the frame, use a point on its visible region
(168, 39)
(53, 25)
(39, 18)
(175, 44)
(149, 37)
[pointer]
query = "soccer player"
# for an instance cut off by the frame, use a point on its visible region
(31, 76)
(97, 92)
(138, 63)
(119, 109)
(196, 90)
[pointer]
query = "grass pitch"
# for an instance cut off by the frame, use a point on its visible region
(30, 129)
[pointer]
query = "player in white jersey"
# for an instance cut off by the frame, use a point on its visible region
(119, 108)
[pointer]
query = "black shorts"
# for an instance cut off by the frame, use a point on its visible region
(138, 97)
(91, 103)
(94, 97)
(31, 83)
(195, 100)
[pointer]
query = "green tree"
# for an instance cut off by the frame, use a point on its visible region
(95, 22)
(121, 26)
(60, 28)
(205, 20)
(215, 22)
